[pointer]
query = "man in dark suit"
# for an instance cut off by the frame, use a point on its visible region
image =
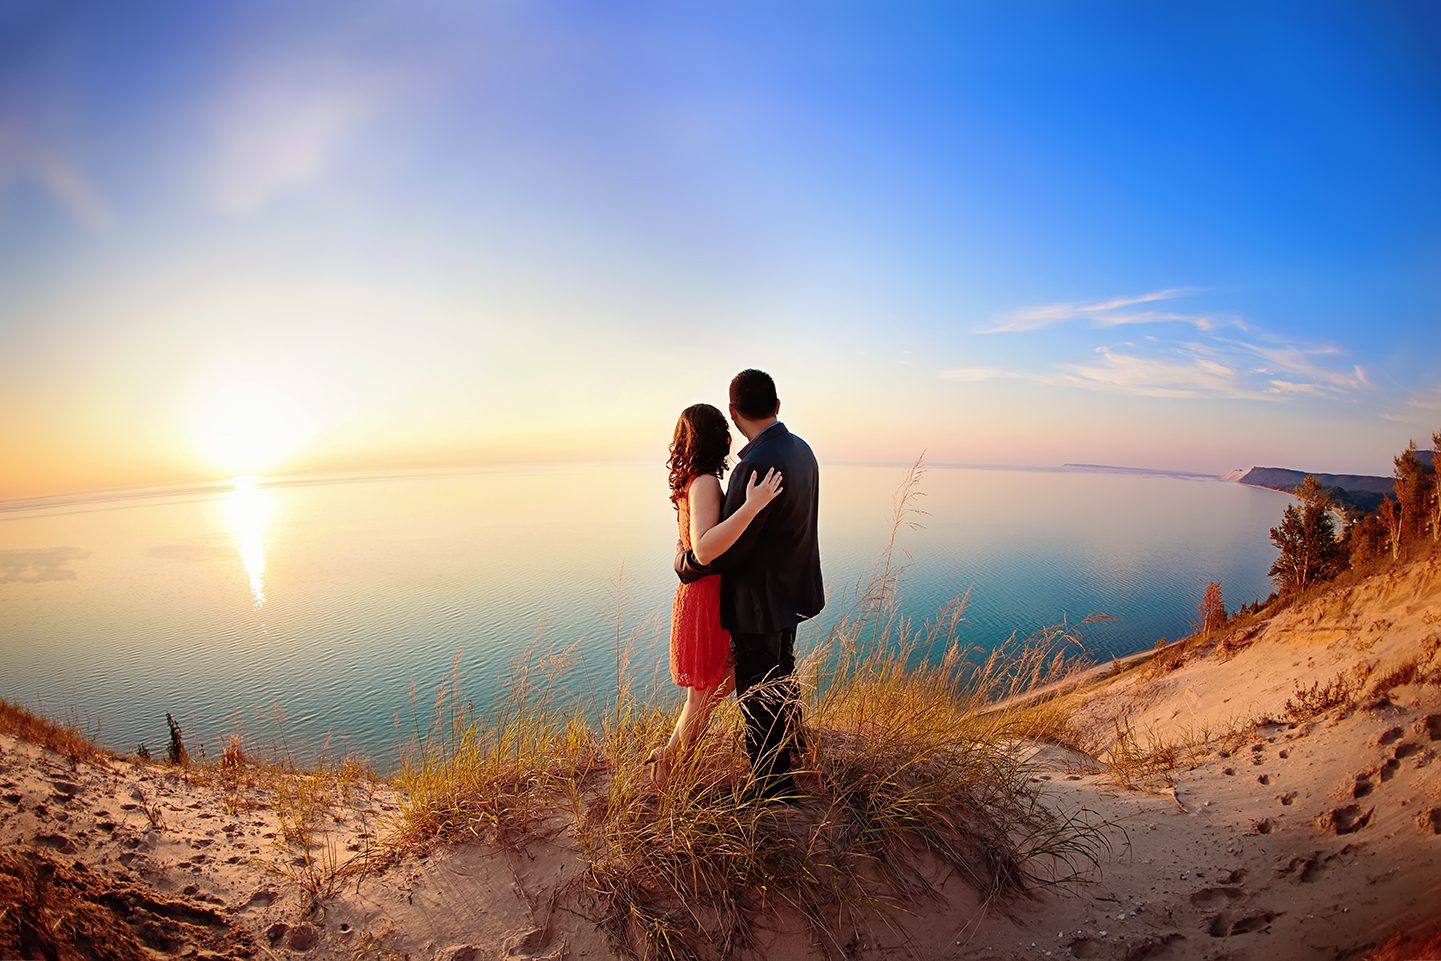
(770, 579)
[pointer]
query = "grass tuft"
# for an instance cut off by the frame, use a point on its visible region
(309, 848)
(912, 760)
(909, 771)
(64, 739)
(494, 775)
(1311, 702)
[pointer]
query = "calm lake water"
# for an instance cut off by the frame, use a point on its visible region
(296, 611)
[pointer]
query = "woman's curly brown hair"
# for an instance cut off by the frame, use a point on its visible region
(701, 445)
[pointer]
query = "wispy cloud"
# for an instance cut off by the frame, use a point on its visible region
(27, 158)
(1292, 387)
(1199, 321)
(1106, 313)
(1419, 410)
(1179, 375)
(1222, 370)
(1304, 361)
(76, 192)
(1262, 368)
(1204, 364)
(285, 126)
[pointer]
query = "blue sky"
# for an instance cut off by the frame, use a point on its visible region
(281, 237)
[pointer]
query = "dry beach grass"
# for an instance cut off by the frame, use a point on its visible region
(908, 780)
(1267, 792)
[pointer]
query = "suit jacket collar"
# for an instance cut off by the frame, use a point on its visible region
(775, 430)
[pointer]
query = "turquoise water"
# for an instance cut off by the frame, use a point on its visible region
(324, 614)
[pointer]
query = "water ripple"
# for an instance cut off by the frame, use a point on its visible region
(371, 585)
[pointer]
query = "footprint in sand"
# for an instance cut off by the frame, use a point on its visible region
(1429, 726)
(1363, 785)
(1389, 735)
(263, 898)
(1215, 897)
(531, 946)
(1288, 798)
(1156, 948)
(1304, 870)
(56, 842)
(1429, 821)
(1344, 820)
(1228, 924)
(1405, 750)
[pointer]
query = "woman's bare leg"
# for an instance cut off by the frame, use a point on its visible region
(695, 715)
(713, 699)
(663, 757)
(690, 710)
(695, 712)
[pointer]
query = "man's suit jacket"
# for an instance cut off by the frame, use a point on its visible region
(772, 574)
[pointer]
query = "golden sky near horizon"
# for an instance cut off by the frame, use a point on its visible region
(270, 239)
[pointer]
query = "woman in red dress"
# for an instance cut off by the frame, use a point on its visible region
(700, 649)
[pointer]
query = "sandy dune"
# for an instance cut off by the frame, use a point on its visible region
(1275, 836)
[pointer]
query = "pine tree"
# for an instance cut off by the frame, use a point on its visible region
(1436, 486)
(1211, 610)
(1364, 538)
(1413, 494)
(1391, 525)
(1306, 538)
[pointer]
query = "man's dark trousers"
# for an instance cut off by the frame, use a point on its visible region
(765, 667)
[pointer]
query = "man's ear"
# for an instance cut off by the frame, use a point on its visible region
(732, 408)
(778, 408)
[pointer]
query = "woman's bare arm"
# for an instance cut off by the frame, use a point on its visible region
(710, 536)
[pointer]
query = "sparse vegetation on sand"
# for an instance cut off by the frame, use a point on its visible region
(938, 782)
(912, 780)
(907, 779)
(64, 739)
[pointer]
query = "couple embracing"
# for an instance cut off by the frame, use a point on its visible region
(750, 571)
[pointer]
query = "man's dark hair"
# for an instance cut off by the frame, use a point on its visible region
(753, 394)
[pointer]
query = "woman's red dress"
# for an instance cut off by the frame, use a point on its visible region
(700, 649)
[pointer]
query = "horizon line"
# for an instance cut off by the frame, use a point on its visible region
(306, 478)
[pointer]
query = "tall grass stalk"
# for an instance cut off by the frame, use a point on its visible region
(909, 775)
(65, 739)
(495, 775)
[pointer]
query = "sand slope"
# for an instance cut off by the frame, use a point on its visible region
(1277, 838)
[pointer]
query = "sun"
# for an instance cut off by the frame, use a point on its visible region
(248, 427)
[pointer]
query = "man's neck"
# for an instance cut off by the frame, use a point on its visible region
(753, 428)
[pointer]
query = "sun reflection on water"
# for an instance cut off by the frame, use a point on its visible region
(248, 508)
